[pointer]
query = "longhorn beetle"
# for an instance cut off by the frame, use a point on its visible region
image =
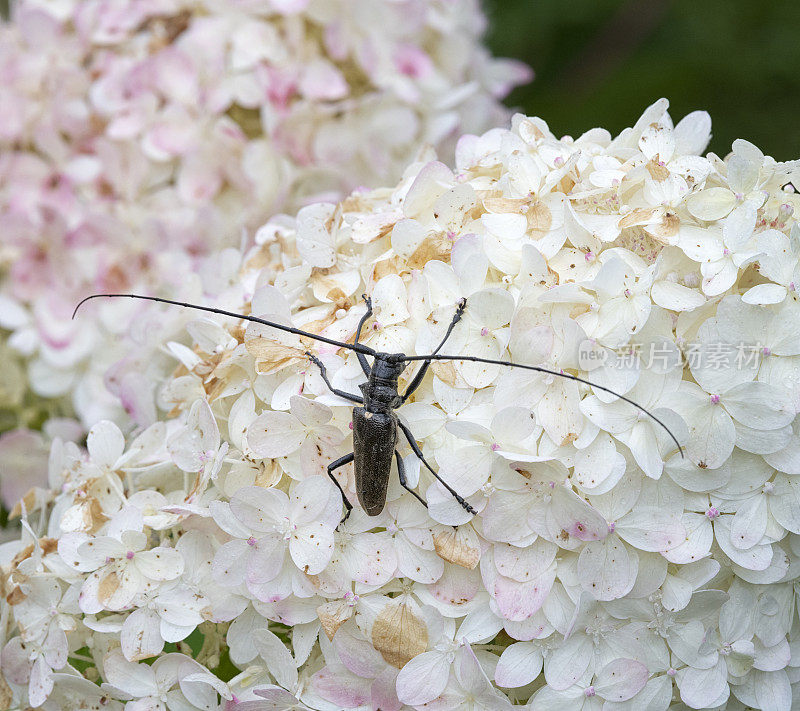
(375, 424)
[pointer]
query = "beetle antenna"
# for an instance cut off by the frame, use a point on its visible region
(357, 347)
(539, 369)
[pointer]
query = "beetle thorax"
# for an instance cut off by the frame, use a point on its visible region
(380, 391)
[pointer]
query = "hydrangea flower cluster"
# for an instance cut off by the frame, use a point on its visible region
(139, 136)
(201, 565)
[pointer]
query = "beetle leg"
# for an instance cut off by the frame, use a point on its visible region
(420, 376)
(410, 437)
(324, 373)
(401, 472)
(362, 359)
(346, 459)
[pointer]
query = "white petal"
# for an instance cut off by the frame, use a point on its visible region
(773, 691)
(765, 294)
(758, 557)
(606, 569)
(389, 300)
(105, 443)
(423, 678)
(739, 226)
(314, 241)
(621, 679)
(676, 297)
(140, 636)
(697, 542)
(278, 659)
(785, 504)
(692, 133)
(519, 664)
(275, 434)
(701, 688)
(759, 405)
(160, 563)
(258, 508)
(134, 679)
(749, 524)
(711, 204)
(568, 662)
(524, 564)
(651, 529)
(311, 547)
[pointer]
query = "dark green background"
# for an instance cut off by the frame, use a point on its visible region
(601, 62)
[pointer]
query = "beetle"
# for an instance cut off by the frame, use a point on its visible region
(375, 424)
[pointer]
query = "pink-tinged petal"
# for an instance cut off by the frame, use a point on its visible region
(322, 81)
(648, 528)
(621, 679)
(357, 654)
(570, 513)
(24, 457)
(345, 690)
(263, 566)
(384, 691)
(41, 682)
(423, 678)
(519, 664)
(56, 648)
(16, 664)
(518, 601)
(456, 589)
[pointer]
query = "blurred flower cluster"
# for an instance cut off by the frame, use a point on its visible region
(139, 136)
(602, 570)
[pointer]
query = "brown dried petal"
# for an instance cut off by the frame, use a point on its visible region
(453, 546)
(399, 634)
(333, 615)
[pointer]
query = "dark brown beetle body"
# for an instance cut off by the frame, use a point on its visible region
(374, 440)
(375, 431)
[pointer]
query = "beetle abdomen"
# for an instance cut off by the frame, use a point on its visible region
(374, 439)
